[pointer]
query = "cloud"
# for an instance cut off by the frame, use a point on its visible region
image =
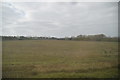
(60, 19)
(61, 1)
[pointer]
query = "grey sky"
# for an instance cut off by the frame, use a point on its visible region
(59, 19)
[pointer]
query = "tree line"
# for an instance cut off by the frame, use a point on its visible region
(97, 37)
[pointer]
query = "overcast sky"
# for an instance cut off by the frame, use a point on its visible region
(59, 19)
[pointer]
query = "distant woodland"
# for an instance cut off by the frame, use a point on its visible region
(98, 37)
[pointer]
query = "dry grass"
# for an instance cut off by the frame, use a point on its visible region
(53, 58)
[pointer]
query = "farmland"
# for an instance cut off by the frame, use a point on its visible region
(59, 59)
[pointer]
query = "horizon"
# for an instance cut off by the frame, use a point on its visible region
(58, 37)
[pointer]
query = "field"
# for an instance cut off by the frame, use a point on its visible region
(59, 59)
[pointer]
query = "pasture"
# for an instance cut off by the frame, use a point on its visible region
(59, 59)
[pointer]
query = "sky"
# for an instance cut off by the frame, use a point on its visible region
(59, 19)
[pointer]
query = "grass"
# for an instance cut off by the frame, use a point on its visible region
(60, 59)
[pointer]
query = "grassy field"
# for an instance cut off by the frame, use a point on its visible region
(59, 59)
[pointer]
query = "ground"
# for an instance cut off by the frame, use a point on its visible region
(59, 59)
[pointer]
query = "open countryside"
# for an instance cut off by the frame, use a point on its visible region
(57, 39)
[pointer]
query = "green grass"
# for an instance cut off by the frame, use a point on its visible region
(60, 59)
